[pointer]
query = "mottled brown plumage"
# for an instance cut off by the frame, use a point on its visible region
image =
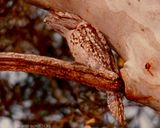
(88, 47)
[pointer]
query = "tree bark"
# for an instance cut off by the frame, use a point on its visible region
(58, 68)
(133, 28)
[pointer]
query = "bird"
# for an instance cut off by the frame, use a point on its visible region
(89, 47)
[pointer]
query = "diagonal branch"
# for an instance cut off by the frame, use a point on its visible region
(53, 67)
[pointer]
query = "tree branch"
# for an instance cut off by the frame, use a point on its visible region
(61, 69)
(133, 30)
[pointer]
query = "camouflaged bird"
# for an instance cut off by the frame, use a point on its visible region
(90, 48)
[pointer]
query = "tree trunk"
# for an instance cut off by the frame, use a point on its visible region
(133, 28)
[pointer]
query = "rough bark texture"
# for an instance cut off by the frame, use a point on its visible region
(61, 69)
(133, 28)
